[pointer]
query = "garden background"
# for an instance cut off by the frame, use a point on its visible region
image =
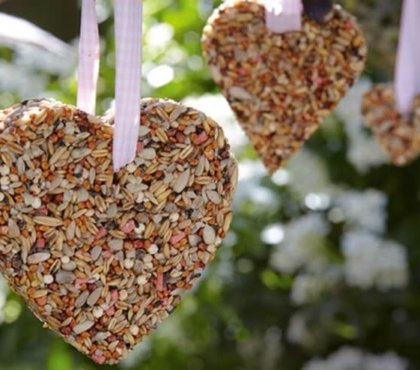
(321, 268)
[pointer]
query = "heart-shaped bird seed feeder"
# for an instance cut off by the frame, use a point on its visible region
(102, 258)
(398, 134)
(281, 86)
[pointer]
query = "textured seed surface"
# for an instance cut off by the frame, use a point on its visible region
(397, 134)
(102, 258)
(281, 86)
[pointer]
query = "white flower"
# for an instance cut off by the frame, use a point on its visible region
(363, 150)
(307, 287)
(308, 174)
(297, 331)
(103, 10)
(273, 234)
(303, 244)
(15, 32)
(35, 49)
(344, 359)
(348, 358)
(250, 188)
(35, 59)
(14, 79)
(387, 361)
(365, 210)
(159, 36)
(349, 108)
(372, 262)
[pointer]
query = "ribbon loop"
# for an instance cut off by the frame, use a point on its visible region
(88, 69)
(128, 34)
(283, 15)
(407, 74)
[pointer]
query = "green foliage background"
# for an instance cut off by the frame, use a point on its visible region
(236, 317)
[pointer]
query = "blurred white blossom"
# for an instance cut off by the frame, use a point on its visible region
(14, 79)
(303, 244)
(372, 262)
(159, 36)
(32, 58)
(35, 52)
(308, 287)
(273, 234)
(103, 10)
(308, 174)
(348, 358)
(298, 332)
(317, 202)
(16, 31)
(250, 188)
(160, 75)
(363, 150)
(365, 210)
(36, 55)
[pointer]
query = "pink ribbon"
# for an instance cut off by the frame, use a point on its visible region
(128, 33)
(407, 75)
(283, 15)
(88, 70)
